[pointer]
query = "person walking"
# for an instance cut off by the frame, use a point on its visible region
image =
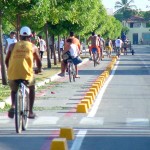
(10, 40)
(19, 63)
(61, 45)
(42, 46)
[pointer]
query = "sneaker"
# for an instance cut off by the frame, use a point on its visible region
(11, 112)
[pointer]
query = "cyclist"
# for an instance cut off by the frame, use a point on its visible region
(108, 47)
(66, 48)
(102, 43)
(19, 62)
(95, 43)
(118, 44)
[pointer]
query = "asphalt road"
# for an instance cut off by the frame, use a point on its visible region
(118, 119)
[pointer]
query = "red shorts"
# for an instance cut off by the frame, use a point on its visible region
(97, 47)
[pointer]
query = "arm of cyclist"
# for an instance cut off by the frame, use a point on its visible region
(37, 59)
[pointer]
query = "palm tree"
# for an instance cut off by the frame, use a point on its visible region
(124, 5)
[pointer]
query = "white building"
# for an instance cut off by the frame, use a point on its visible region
(139, 30)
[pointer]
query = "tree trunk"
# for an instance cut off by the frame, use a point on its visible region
(3, 68)
(18, 26)
(59, 53)
(48, 48)
(54, 50)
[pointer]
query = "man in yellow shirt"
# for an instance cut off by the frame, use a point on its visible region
(19, 62)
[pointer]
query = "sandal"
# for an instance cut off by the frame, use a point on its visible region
(11, 112)
(32, 116)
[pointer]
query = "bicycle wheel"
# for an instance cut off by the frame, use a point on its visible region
(74, 73)
(18, 111)
(26, 111)
(69, 72)
(94, 59)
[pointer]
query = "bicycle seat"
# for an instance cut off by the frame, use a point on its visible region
(21, 81)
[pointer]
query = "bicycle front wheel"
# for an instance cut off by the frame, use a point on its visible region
(26, 111)
(18, 111)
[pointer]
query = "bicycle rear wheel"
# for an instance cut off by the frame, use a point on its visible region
(26, 111)
(18, 111)
(74, 73)
(94, 59)
(70, 72)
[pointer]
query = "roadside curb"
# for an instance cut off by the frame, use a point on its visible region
(55, 77)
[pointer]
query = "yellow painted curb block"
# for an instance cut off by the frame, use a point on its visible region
(99, 82)
(95, 86)
(59, 144)
(66, 133)
(87, 102)
(89, 98)
(82, 108)
(91, 94)
(93, 90)
(102, 78)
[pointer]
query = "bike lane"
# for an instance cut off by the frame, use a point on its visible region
(124, 109)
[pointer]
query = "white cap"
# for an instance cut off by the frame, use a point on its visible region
(25, 31)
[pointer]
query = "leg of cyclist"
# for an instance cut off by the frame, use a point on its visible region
(31, 86)
(76, 68)
(13, 86)
(90, 52)
(31, 101)
(98, 55)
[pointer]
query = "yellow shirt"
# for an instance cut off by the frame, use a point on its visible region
(21, 61)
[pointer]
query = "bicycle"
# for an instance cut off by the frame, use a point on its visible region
(118, 51)
(71, 70)
(21, 106)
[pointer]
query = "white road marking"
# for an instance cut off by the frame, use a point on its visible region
(137, 122)
(46, 120)
(78, 141)
(92, 121)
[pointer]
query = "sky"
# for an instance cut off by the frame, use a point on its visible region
(141, 4)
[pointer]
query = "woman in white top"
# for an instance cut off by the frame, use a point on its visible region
(10, 41)
(74, 52)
